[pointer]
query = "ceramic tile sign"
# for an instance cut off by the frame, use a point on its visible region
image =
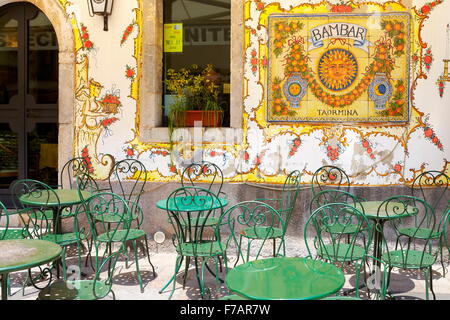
(339, 68)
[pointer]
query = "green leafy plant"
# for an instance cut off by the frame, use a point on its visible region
(195, 88)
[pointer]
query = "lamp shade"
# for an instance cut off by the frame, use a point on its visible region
(101, 7)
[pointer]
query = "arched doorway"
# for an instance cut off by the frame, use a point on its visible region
(28, 96)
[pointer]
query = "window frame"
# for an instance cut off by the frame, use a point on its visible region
(151, 88)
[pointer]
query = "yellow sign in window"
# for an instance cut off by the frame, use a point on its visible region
(173, 37)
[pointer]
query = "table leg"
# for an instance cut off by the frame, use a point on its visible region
(4, 286)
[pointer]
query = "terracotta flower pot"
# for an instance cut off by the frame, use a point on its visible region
(187, 118)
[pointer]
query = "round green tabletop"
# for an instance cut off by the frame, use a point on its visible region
(67, 197)
(190, 204)
(26, 253)
(285, 278)
(393, 210)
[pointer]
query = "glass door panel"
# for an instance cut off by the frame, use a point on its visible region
(8, 58)
(42, 60)
(43, 153)
(28, 97)
(9, 144)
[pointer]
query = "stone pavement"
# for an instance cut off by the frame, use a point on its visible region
(406, 285)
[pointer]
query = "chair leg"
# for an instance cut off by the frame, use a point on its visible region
(178, 263)
(136, 260)
(274, 245)
(89, 254)
(431, 283)
(188, 262)
(148, 256)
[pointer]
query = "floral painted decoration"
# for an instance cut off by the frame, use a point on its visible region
(127, 32)
(428, 59)
(441, 87)
(130, 72)
(341, 8)
(398, 167)
(294, 147)
(87, 43)
(431, 135)
(259, 5)
(333, 152)
(254, 61)
(87, 159)
(368, 146)
(106, 123)
(428, 7)
(129, 152)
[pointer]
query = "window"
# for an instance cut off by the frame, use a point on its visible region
(206, 34)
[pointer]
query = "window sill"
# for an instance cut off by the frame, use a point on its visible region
(205, 135)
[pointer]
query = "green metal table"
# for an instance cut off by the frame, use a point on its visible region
(66, 198)
(190, 205)
(285, 279)
(24, 254)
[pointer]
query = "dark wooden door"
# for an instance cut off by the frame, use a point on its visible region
(28, 96)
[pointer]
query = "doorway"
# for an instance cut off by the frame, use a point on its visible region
(28, 97)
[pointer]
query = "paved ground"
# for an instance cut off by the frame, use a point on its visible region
(404, 284)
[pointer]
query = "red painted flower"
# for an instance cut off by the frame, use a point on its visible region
(365, 143)
(88, 44)
(130, 152)
(264, 62)
(397, 167)
(425, 9)
(428, 132)
(130, 73)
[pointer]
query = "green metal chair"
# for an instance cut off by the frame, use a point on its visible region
(247, 231)
(205, 175)
(70, 171)
(337, 247)
(7, 232)
(285, 206)
(39, 220)
(371, 281)
(249, 228)
(417, 238)
(110, 226)
(432, 186)
(100, 286)
(188, 210)
(336, 196)
(127, 179)
(330, 177)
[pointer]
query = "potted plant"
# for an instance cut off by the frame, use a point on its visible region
(196, 97)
